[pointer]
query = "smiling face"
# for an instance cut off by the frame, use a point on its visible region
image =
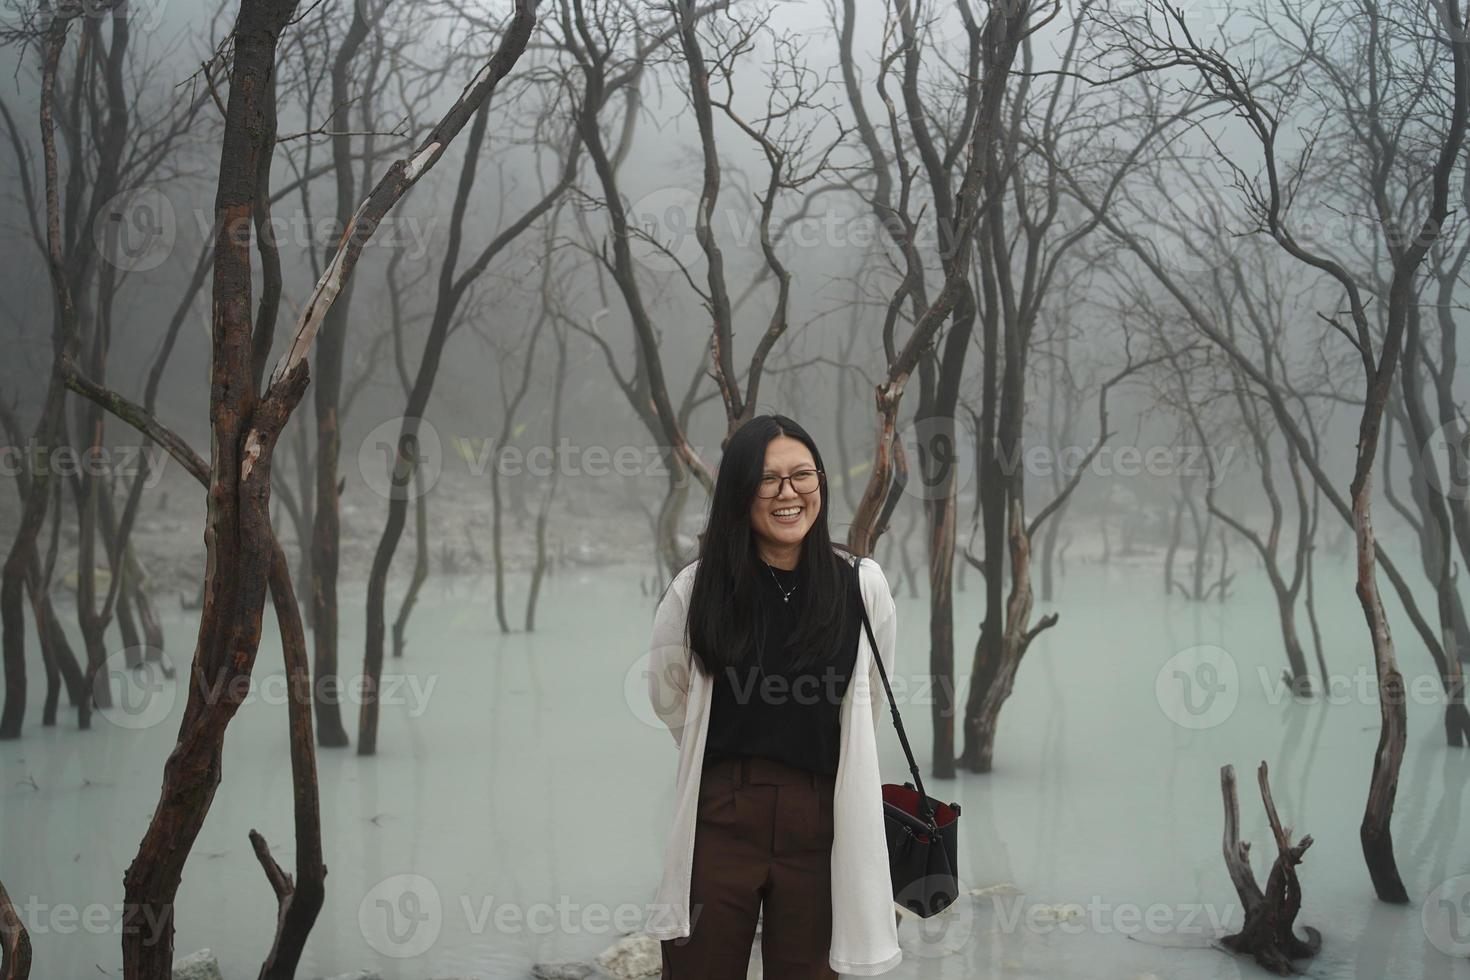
(781, 522)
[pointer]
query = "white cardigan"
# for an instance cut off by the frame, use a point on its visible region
(864, 927)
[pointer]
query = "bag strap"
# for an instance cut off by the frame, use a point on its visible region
(928, 811)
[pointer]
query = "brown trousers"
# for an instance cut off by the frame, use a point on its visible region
(763, 837)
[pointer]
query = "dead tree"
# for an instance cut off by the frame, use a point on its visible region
(126, 142)
(1448, 262)
(398, 320)
(1201, 383)
(940, 367)
(1185, 503)
(1292, 417)
(590, 35)
(1063, 406)
(504, 346)
(326, 526)
(548, 492)
(243, 553)
(990, 690)
(1437, 49)
(1267, 934)
(784, 134)
(59, 661)
(453, 286)
(795, 155)
(142, 147)
(299, 899)
(52, 31)
(326, 393)
(958, 195)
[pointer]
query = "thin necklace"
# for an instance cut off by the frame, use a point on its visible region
(785, 596)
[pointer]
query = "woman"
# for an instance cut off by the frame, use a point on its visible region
(762, 672)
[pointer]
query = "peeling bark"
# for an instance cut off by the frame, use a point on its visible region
(15, 942)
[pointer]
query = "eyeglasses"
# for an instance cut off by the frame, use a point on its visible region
(802, 481)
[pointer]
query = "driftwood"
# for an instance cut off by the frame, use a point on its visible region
(1267, 933)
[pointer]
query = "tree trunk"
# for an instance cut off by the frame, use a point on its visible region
(1267, 933)
(543, 510)
(238, 537)
(300, 900)
(326, 528)
(1016, 639)
(1375, 831)
(941, 514)
(420, 563)
(15, 942)
(1298, 677)
(48, 426)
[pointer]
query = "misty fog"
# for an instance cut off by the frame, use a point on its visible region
(370, 366)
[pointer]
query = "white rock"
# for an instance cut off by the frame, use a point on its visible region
(569, 970)
(1006, 888)
(638, 955)
(197, 966)
(1065, 912)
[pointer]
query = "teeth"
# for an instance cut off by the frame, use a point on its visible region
(788, 512)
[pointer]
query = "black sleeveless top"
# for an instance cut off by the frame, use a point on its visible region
(762, 708)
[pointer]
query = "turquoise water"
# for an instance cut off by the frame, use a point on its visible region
(517, 806)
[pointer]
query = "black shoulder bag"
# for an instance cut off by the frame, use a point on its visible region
(922, 832)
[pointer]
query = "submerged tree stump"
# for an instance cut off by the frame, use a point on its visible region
(1267, 933)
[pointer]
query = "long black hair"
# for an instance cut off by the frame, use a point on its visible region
(725, 621)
